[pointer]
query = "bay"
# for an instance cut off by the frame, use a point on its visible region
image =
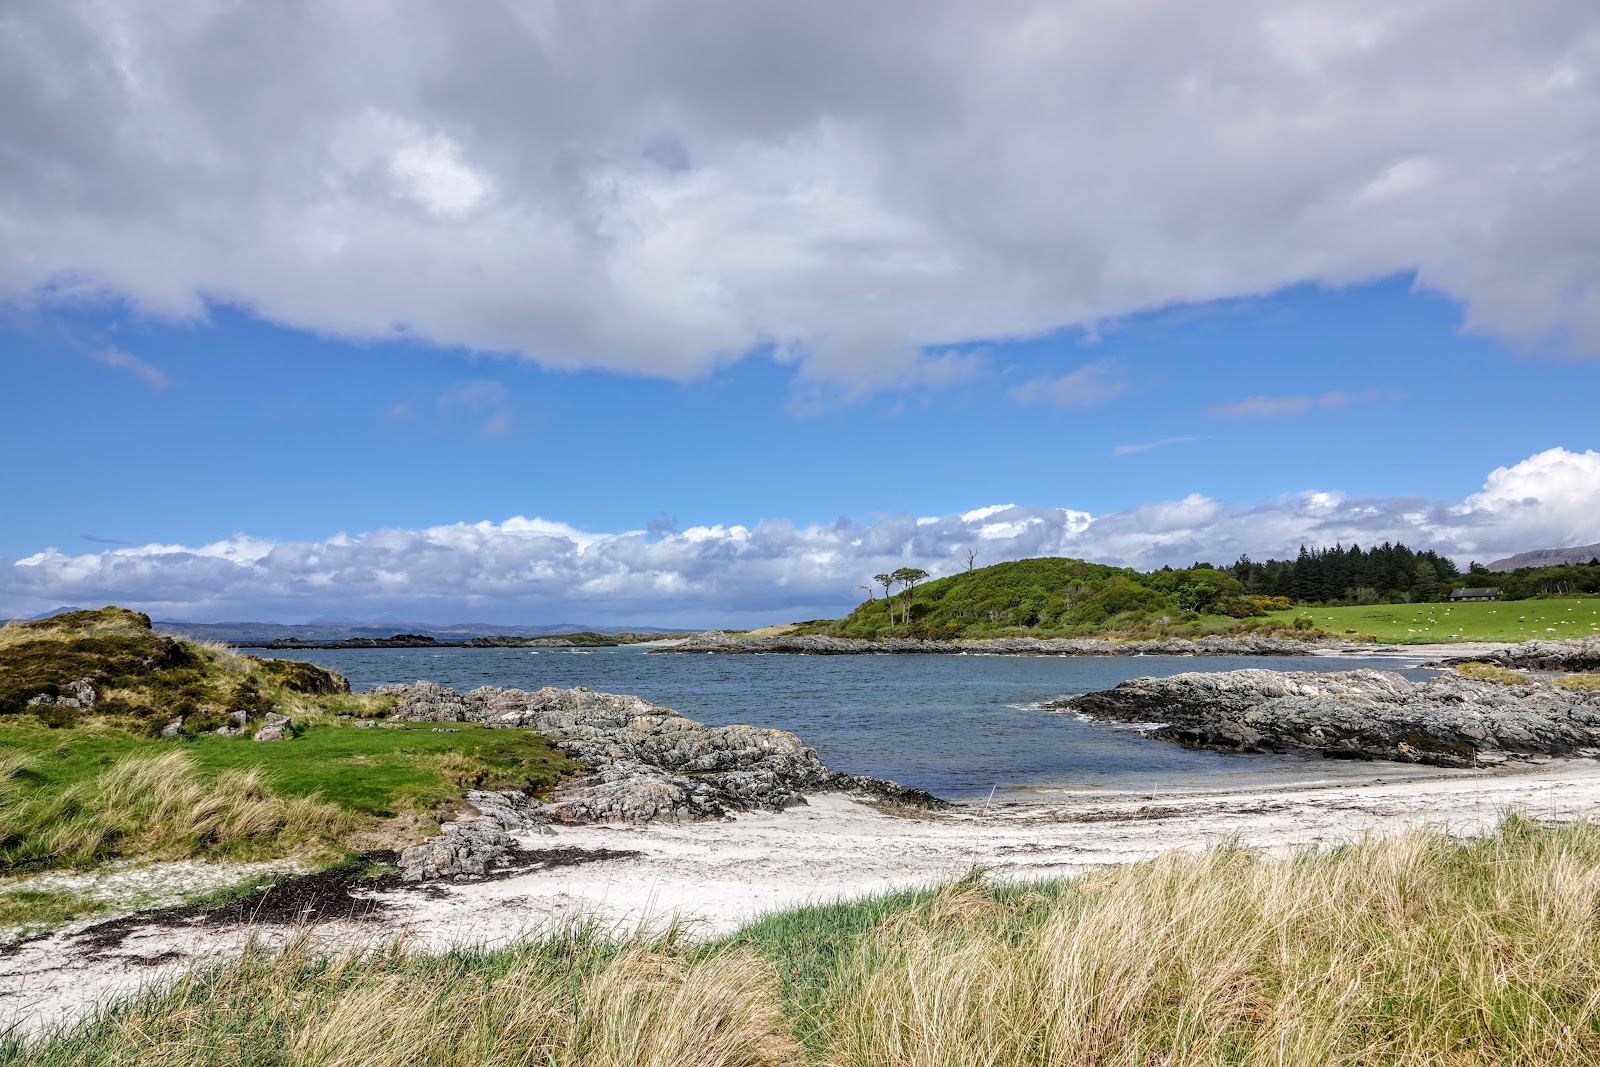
(967, 728)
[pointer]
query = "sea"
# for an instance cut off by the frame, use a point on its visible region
(970, 728)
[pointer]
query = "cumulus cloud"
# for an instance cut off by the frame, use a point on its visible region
(533, 570)
(670, 189)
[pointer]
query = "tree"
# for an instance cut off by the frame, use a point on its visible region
(888, 581)
(908, 577)
(870, 595)
(1427, 583)
(971, 558)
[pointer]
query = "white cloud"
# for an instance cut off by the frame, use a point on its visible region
(1260, 408)
(154, 377)
(666, 191)
(532, 570)
(487, 401)
(1089, 386)
(1137, 447)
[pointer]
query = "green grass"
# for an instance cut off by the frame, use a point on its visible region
(1493, 620)
(373, 772)
(26, 911)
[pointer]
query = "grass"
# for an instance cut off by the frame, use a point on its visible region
(97, 792)
(1493, 620)
(156, 806)
(1417, 949)
(80, 785)
(1489, 672)
(27, 910)
(1579, 681)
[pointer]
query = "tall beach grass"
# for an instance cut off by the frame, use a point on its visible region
(1416, 949)
(158, 806)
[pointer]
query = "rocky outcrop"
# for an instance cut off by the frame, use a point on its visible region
(816, 645)
(76, 694)
(470, 847)
(1448, 721)
(1580, 654)
(276, 727)
(648, 763)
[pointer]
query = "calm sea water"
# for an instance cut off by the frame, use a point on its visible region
(958, 726)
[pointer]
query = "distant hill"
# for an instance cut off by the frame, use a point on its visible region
(1547, 557)
(255, 632)
(1052, 595)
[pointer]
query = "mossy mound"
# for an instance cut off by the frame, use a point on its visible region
(139, 675)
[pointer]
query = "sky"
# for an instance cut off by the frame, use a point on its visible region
(703, 313)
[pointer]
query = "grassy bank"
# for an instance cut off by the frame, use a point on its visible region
(1416, 949)
(1491, 620)
(88, 771)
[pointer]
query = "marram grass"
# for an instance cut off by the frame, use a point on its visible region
(1416, 949)
(154, 806)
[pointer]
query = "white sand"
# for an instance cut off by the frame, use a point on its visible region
(720, 875)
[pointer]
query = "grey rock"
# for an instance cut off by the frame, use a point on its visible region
(239, 717)
(514, 812)
(1578, 654)
(78, 693)
(173, 728)
(228, 731)
(275, 728)
(817, 645)
(470, 847)
(1448, 721)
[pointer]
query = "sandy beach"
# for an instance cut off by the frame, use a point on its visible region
(717, 876)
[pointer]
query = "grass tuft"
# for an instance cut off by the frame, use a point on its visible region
(156, 806)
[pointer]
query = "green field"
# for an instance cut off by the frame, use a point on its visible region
(1495, 620)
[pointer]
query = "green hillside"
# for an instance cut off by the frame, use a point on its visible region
(1054, 596)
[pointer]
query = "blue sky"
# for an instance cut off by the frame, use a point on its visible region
(290, 436)
(281, 343)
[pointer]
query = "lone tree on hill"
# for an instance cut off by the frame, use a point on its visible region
(972, 558)
(888, 582)
(908, 577)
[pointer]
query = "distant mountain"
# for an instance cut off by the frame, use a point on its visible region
(52, 611)
(1547, 557)
(238, 632)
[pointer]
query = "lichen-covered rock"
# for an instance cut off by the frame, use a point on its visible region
(817, 645)
(1579, 654)
(275, 728)
(1448, 721)
(78, 694)
(514, 812)
(466, 847)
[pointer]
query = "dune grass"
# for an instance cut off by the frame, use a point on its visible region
(155, 806)
(97, 792)
(1416, 949)
(1490, 620)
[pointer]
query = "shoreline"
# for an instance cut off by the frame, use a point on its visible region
(719, 875)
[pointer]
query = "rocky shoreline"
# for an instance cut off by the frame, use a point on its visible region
(648, 764)
(816, 645)
(1448, 721)
(1581, 654)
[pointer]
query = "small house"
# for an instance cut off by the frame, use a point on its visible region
(1490, 593)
